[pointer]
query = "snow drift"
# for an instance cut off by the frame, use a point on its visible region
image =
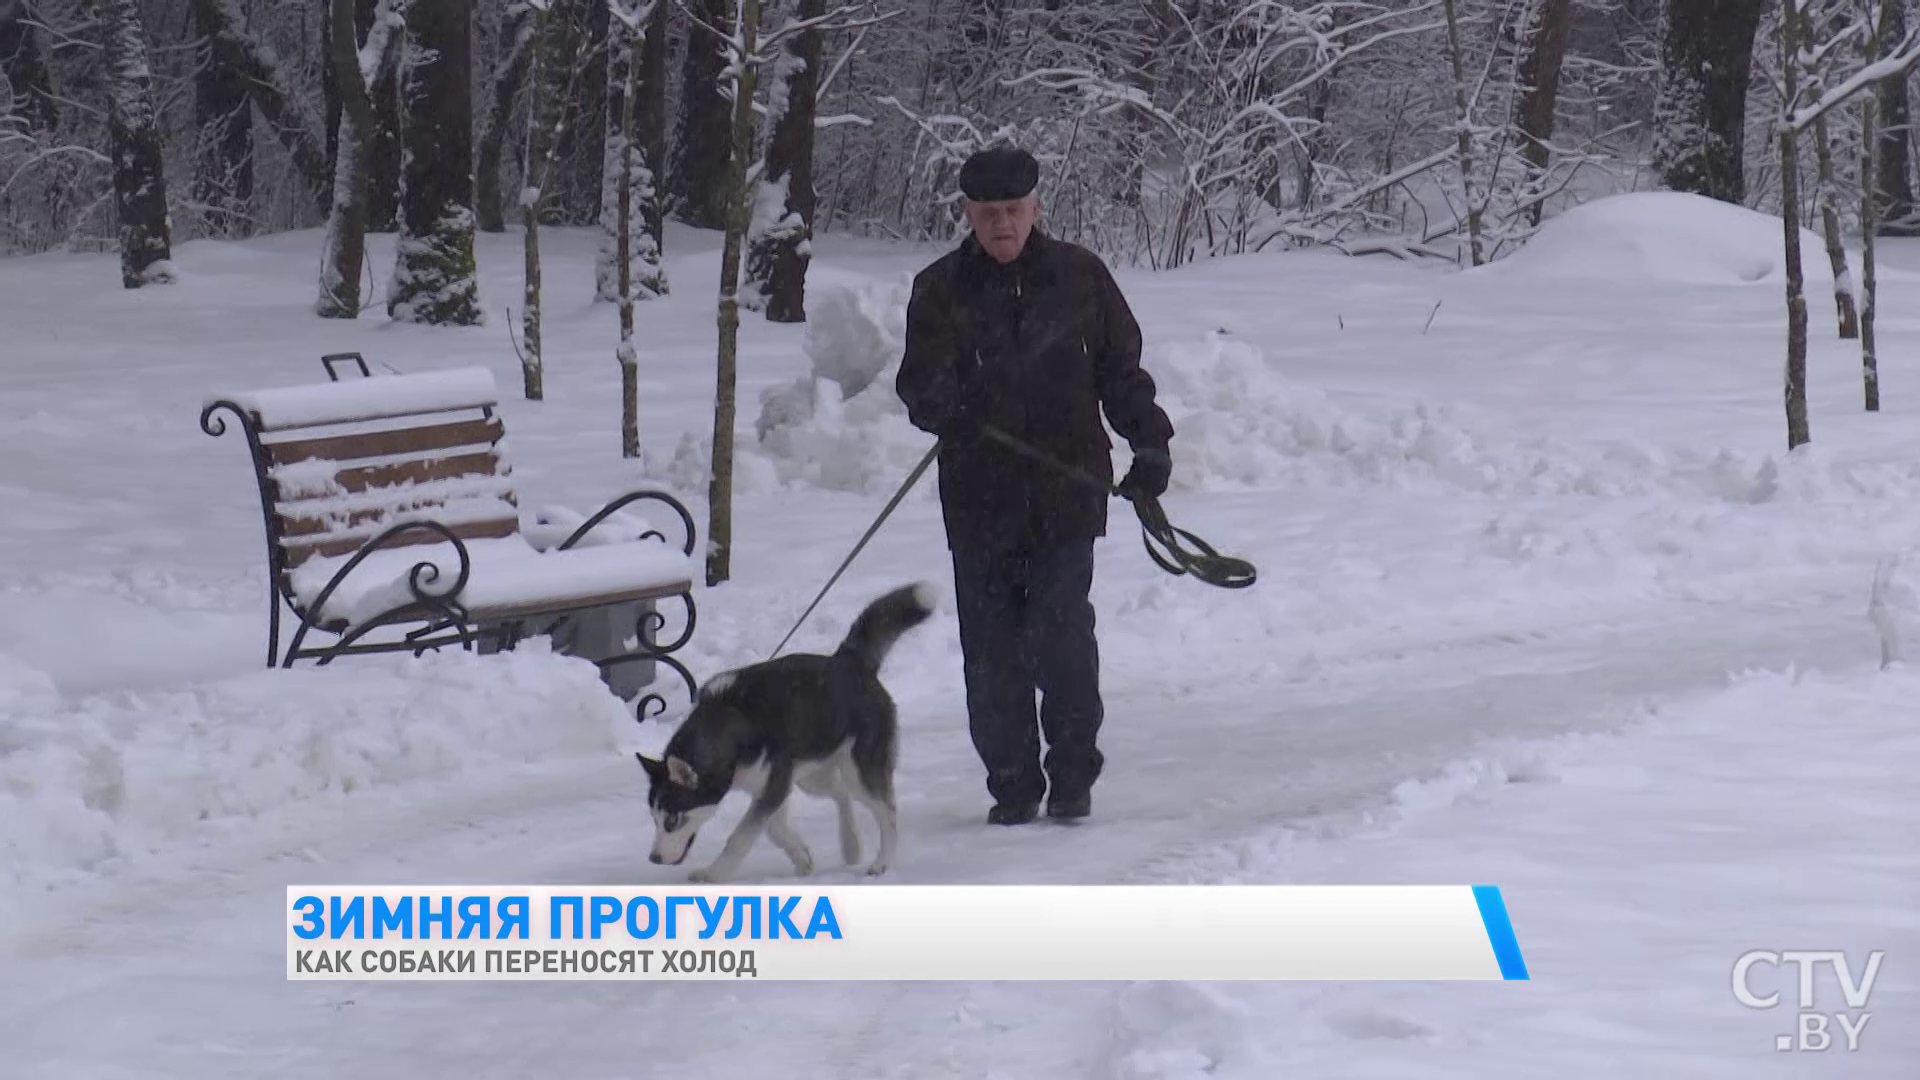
(90, 781)
(1243, 425)
(1664, 236)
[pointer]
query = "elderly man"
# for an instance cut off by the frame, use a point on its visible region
(1028, 335)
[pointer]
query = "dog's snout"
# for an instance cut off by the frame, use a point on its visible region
(655, 858)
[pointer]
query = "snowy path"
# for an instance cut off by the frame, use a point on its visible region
(180, 1001)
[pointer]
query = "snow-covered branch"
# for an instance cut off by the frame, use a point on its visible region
(1896, 65)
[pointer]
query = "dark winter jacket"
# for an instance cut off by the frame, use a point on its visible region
(1041, 346)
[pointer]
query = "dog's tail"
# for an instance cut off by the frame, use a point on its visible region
(883, 623)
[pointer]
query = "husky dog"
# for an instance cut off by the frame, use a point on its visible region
(822, 723)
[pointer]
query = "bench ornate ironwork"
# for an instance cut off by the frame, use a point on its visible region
(389, 506)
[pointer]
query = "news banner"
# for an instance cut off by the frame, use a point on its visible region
(903, 933)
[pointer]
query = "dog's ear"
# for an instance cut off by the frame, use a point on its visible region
(682, 773)
(656, 770)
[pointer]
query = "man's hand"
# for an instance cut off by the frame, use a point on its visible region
(1152, 469)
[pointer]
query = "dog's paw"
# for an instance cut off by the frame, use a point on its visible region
(802, 861)
(876, 869)
(704, 875)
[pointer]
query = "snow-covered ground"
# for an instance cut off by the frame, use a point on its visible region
(1517, 529)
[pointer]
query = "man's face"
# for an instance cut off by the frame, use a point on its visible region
(1003, 227)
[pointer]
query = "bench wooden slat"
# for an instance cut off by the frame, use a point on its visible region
(359, 479)
(373, 444)
(301, 548)
(319, 522)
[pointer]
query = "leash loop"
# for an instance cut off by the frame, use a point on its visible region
(1203, 563)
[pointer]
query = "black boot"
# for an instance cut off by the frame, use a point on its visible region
(1012, 813)
(1070, 807)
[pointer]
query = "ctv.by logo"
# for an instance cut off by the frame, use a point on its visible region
(1812, 1026)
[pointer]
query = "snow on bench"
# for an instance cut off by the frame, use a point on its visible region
(507, 579)
(362, 482)
(376, 397)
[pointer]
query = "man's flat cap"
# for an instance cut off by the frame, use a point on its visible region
(999, 174)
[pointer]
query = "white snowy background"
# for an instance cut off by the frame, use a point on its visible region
(1543, 603)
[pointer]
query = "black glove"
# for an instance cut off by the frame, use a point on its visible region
(1152, 468)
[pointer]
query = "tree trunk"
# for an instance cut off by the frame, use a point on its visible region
(384, 151)
(273, 89)
(511, 72)
(628, 47)
(636, 150)
(1897, 214)
(24, 68)
(1796, 380)
(434, 278)
(781, 230)
(1700, 111)
(223, 119)
(346, 237)
(1870, 148)
(720, 490)
(133, 133)
(697, 180)
(549, 83)
(1830, 228)
(1462, 118)
(1540, 79)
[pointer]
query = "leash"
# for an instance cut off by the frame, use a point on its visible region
(912, 479)
(1205, 564)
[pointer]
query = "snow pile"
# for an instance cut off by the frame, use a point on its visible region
(1595, 842)
(86, 782)
(841, 426)
(1664, 236)
(1895, 604)
(1242, 425)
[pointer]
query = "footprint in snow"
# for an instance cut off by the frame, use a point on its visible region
(1368, 1024)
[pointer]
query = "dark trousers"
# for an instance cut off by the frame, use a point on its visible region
(1026, 627)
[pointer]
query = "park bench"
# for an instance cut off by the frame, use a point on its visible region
(392, 524)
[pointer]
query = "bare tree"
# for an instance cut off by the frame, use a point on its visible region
(24, 69)
(696, 182)
(1896, 213)
(1463, 120)
(1827, 39)
(257, 73)
(550, 82)
(1699, 119)
(628, 31)
(632, 222)
(1545, 57)
(743, 46)
(356, 70)
(1796, 383)
(778, 235)
(139, 175)
(504, 88)
(223, 113)
(1879, 24)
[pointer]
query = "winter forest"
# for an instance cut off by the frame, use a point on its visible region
(1171, 130)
